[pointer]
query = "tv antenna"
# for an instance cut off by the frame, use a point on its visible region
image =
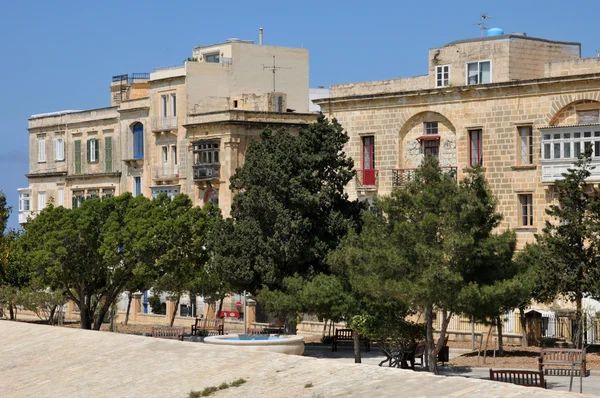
(481, 23)
(273, 68)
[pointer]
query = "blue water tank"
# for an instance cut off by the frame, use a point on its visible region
(495, 32)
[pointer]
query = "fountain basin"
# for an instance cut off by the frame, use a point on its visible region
(291, 345)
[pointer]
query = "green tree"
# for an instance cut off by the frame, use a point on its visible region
(184, 258)
(426, 243)
(290, 208)
(89, 253)
(569, 247)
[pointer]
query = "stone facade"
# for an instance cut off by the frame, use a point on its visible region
(536, 90)
(154, 136)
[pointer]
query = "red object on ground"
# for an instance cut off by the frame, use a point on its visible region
(229, 314)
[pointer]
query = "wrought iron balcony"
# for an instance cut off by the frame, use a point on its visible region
(401, 177)
(367, 179)
(206, 171)
(130, 78)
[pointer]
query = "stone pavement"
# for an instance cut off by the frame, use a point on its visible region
(45, 361)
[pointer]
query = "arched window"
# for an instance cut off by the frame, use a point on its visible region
(138, 141)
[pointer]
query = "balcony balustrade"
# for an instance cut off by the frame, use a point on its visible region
(164, 123)
(367, 179)
(206, 171)
(401, 177)
(166, 172)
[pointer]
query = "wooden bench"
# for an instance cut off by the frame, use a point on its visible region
(526, 378)
(563, 361)
(168, 333)
(212, 326)
(345, 335)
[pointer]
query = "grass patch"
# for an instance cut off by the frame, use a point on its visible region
(211, 390)
(308, 385)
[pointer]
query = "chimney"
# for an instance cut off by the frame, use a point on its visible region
(260, 36)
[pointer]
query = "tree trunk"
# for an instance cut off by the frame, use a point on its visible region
(11, 310)
(175, 310)
(577, 335)
(85, 318)
(500, 343)
(524, 342)
(129, 299)
(356, 340)
(324, 326)
(51, 316)
(430, 344)
(220, 308)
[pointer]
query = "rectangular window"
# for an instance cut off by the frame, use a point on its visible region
(475, 148)
(206, 153)
(431, 147)
(212, 58)
(92, 150)
(24, 202)
(164, 105)
(479, 72)
(77, 199)
(41, 149)
(430, 128)
(173, 105)
(526, 144)
(108, 154)
(442, 75)
(61, 197)
(526, 210)
(59, 149)
(137, 186)
(77, 150)
(174, 159)
(368, 177)
(41, 200)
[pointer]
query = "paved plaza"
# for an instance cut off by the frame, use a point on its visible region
(45, 361)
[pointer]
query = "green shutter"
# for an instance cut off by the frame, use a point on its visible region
(77, 157)
(88, 145)
(97, 151)
(73, 202)
(108, 153)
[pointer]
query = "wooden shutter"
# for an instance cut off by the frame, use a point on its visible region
(108, 153)
(88, 145)
(96, 150)
(78, 157)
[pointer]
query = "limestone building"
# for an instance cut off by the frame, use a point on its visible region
(522, 107)
(181, 129)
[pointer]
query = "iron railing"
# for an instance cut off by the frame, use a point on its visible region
(367, 178)
(401, 177)
(130, 78)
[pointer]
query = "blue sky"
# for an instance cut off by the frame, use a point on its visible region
(61, 54)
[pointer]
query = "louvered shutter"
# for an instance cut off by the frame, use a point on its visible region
(108, 153)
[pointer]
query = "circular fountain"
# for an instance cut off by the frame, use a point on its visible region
(292, 345)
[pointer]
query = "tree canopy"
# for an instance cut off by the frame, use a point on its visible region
(290, 208)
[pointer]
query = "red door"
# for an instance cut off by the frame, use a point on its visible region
(368, 177)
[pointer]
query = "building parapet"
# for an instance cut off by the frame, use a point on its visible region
(380, 86)
(61, 119)
(168, 72)
(242, 117)
(572, 67)
(134, 104)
